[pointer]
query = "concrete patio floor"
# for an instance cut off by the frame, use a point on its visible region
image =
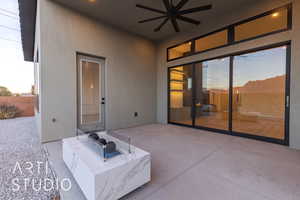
(198, 165)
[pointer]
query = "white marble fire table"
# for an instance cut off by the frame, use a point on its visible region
(110, 179)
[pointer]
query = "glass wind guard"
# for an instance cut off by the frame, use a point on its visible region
(107, 145)
(123, 141)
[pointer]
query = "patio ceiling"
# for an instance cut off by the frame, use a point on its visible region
(124, 15)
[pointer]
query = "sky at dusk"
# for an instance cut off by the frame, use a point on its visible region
(260, 65)
(15, 74)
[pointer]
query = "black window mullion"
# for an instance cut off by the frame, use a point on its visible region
(194, 91)
(230, 94)
(193, 46)
(287, 95)
(290, 16)
(169, 94)
(231, 34)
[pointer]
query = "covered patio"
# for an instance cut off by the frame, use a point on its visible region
(227, 69)
(194, 164)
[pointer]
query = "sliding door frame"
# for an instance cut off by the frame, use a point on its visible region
(231, 56)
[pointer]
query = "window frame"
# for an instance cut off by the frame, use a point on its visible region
(231, 32)
(284, 141)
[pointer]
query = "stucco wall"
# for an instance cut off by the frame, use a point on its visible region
(219, 22)
(130, 71)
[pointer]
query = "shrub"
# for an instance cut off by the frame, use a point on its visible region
(4, 91)
(8, 111)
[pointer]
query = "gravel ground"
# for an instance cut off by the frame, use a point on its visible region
(24, 169)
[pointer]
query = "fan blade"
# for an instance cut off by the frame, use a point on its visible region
(151, 19)
(161, 25)
(192, 10)
(181, 4)
(167, 4)
(187, 19)
(175, 24)
(151, 9)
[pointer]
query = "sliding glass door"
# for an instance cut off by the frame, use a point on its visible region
(180, 95)
(259, 82)
(212, 89)
(244, 94)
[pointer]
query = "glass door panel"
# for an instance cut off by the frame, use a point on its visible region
(90, 96)
(212, 89)
(91, 99)
(259, 93)
(180, 95)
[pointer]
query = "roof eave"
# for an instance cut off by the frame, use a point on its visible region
(27, 10)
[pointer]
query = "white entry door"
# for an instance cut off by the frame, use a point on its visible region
(91, 95)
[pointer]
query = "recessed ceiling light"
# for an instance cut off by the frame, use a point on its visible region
(275, 14)
(92, 1)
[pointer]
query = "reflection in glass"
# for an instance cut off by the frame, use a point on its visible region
(259, 93)
(90, 93)
(180, 51)
(212, 41)
(180, 85)
(267, 24)
(212, 86)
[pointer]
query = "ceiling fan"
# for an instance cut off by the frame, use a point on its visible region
(174, 13)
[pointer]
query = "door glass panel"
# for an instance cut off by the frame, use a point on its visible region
(181, 95)
(90, 96)
(259, 93)
(212, 87)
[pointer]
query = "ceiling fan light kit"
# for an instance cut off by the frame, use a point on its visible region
(173, 13)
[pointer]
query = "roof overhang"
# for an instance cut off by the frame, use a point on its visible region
(27, 10)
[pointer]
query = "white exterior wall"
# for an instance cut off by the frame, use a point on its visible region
(209, 26)
(130, 71)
